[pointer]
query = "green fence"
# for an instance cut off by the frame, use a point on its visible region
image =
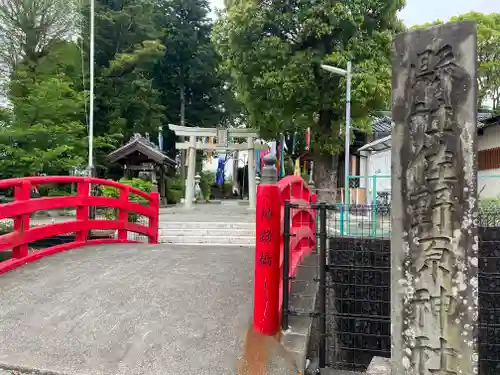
(370, 215)
(367, 210)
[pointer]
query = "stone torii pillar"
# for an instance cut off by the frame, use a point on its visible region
(189, 192)
(252, 188)
(223, 136)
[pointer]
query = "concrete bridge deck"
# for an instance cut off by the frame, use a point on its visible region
(128, 309)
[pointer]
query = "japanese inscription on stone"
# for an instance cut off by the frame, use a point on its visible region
(222, 139)
(434, 240)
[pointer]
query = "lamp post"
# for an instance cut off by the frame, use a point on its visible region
(91, 93)
(345, 73)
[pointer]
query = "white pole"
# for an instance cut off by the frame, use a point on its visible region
(347, 131)
(252, 189)
(91, 96)
(188, 198)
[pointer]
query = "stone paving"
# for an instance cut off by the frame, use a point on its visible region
(128, 309)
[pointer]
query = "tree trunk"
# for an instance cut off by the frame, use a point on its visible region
(325, 177)
(326, 166)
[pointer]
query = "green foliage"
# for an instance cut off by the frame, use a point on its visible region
(175, 190)
(206, 182)
(131, 74)
(489, 205)
(155, 64)
(488, 45)
(44, 131)
(188, 76)
(5, 228)
(59, 193)
(273, 52)
(5, 255)
(112, 192)
(55, 190)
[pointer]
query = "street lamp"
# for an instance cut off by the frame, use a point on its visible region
(345, 73)
(91, 91)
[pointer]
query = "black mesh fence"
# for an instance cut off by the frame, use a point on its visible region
(358, 286)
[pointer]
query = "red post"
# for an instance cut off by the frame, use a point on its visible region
(82, 212)
(154, 221)
(22, 192)
(123, 212)
(266, 315)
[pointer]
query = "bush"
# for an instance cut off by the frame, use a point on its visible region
(5, 227)
(228, 188)
(5, 255)
(174, 196)
(206, 182)
(112, 192)
(175, 190)
(489, 205)
(59, 193)
(54, 190)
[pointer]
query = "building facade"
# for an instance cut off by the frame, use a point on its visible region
(375, 160)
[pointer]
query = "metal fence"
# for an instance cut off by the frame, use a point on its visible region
(375, 220)
(355, 287)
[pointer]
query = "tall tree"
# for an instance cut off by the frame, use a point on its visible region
(126, 53)
(137, 108)
(192, 88)
(29, 27)
(155, 64)
(44, 130)
(273, 50)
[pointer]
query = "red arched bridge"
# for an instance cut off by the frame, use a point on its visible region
(114, 305)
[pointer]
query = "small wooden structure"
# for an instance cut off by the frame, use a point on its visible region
(138, 155)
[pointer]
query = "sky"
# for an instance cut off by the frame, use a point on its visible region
(422, 11)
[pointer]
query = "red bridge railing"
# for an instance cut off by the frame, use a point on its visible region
(21, 208)
(270, 239)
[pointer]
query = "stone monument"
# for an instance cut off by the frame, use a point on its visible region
(434, 242)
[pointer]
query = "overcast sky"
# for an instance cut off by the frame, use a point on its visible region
(422, 11)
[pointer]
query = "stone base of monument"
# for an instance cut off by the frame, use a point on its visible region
(331, 371)
(379, 366)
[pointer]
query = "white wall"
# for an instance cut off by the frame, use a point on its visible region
(228, 168)
(489, 139)
(379, 164)
(488, 181)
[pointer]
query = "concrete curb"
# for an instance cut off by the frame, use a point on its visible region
(303, 295)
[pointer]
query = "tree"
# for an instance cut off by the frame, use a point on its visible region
(193, 90)
(126, 53)
(44, 132)
(155, 64)
(28, 28)
(273, 51)
(488, 54)
(137, 108)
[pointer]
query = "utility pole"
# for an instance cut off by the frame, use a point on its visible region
(91, 93)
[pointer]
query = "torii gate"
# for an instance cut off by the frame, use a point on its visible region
(222, 136)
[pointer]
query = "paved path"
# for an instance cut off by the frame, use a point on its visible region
(128, 309)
